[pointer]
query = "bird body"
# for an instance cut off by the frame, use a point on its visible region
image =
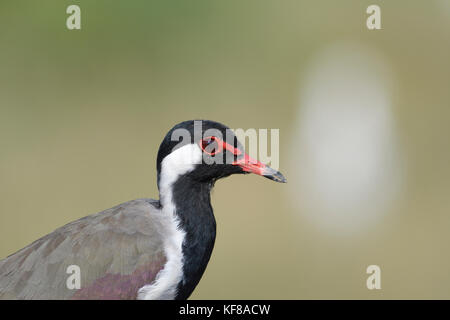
(141, 249)
(118, 250)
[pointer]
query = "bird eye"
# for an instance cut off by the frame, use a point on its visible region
(210, 146)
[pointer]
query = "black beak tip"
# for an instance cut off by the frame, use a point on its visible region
(276, 176)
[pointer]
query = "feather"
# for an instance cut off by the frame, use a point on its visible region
(118, 251)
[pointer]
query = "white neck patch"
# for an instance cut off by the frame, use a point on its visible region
(177, 163)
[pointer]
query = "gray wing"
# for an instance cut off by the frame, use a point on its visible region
(118, 251)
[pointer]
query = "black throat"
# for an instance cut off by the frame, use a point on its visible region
(193, 207)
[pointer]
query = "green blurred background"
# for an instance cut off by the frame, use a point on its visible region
(82, 114)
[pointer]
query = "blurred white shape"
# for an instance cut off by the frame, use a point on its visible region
(345, 170)
(444, 7)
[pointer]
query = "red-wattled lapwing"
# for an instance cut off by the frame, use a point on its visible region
(145, 248)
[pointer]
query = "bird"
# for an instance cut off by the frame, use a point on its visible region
(143, 249)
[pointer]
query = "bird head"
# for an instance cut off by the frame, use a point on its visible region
(206, 151)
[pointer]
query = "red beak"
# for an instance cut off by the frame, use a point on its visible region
(249, 164)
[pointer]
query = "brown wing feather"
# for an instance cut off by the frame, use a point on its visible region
(118, 251)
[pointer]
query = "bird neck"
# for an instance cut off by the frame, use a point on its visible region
(191, 202)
